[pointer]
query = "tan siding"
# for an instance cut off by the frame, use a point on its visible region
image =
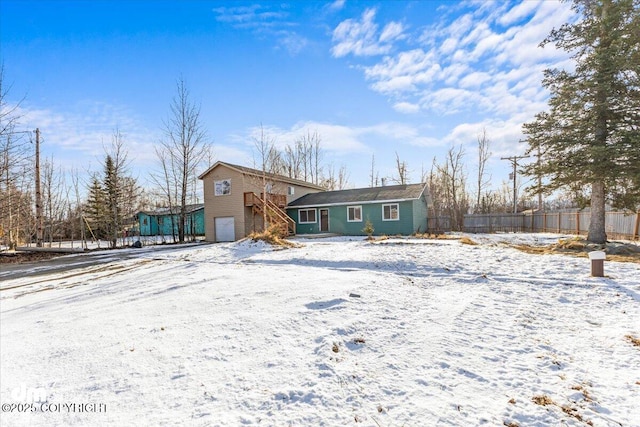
(223, 206)
(232, 205)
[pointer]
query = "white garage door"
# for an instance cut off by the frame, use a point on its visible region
(225, 229)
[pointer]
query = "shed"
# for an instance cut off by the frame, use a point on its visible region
(164, 221)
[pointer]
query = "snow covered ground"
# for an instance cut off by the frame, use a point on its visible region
(339, 331)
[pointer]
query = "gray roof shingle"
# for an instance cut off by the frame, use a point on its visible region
(361, 195)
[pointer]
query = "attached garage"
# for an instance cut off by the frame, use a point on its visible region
(225, 229)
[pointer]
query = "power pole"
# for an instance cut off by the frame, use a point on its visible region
(514, 162)
(38, 194)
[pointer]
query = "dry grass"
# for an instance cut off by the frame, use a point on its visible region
(436, 236)
(272, 236)
(543, 400)
(467, 241)
(577, 247)
(633, 340)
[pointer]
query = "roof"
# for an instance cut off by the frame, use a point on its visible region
(176, 209)
(391, 193)
(256, 172)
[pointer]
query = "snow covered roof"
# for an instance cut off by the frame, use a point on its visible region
(391, 193)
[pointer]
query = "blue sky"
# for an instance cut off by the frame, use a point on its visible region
(372, 78)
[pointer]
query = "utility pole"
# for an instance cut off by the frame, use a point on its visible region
(514, 162)
(38, 193)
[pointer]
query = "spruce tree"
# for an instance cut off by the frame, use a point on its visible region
(96, 209)
(112, 201)
(590, 136)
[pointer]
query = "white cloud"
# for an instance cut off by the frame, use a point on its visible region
(519, 12)
(336, 5)
(406, 107)
(86, 129)
(392, 31)
(360, 37)
(265, 20)
(484, 60)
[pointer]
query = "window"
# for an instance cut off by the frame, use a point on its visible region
(291, 191)
(307, 216)
(354, 213)
(144, 221)
(390, 212)
(222, 187)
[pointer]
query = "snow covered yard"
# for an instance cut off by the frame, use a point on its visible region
(336, 332)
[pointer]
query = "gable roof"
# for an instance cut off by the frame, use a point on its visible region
(258, 173)
(391, 193)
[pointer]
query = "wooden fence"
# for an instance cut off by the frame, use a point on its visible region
(618, 225)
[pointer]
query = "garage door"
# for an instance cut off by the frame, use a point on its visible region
(225, 229)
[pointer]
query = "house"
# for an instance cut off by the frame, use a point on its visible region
(164, 222)
(237, 199)
(394, 209)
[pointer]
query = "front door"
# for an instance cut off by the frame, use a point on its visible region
(324, 220)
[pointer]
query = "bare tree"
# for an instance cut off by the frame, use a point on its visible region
(54, 200)
(266, 160)
(482, 179)
(183, 149)
(309, 155)
(14, 168)
(293, 160)
(402, 170)
(448, 186)
(373, 175)
(336, 181)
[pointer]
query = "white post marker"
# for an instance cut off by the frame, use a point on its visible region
(597, 263)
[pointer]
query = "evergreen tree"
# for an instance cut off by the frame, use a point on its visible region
(96, 209)
(590, 137)
(113, 198)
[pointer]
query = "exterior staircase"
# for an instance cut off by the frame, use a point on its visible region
(273, 205)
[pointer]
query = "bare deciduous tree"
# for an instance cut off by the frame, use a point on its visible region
(402, 170)
(482, 180)
(182, 151)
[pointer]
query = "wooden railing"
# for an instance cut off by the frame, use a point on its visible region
(251, 199)
(274, 209)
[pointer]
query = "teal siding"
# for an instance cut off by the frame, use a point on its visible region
(312, 228)
(420, 215)
(159, 225)
(148, 224)
(412, 218)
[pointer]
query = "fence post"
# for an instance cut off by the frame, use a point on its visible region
(559, 217)
(637, 227)
(577, 223)
(533, 216)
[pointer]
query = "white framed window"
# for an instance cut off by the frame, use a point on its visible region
(354, 213)
(291, 191)
(391, 212)
(307, 216)
(222, 187)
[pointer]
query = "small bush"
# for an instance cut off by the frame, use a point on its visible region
(368, 228)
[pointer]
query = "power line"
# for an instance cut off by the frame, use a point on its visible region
(514, 162)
